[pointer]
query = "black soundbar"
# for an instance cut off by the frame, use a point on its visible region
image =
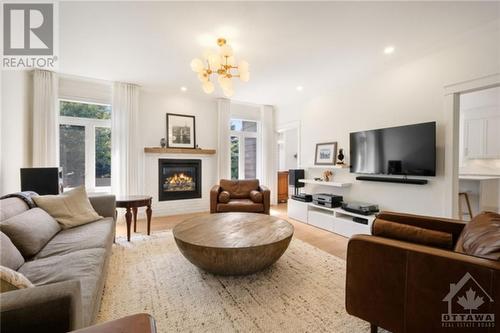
(393, 180)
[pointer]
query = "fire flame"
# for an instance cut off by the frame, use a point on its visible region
(179, 179)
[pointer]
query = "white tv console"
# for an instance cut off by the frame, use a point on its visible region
(334, 220)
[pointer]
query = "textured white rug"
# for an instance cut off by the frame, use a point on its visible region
(302, 292)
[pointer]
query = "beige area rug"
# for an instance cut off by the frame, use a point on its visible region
(302, 292)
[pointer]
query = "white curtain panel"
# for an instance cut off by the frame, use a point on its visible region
(223, 143)
(269, 151)
(45, 119)
(126, 155)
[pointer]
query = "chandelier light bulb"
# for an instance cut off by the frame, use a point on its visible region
(203, 76)
(225, 83)
(243, 66)
(197, 65)
(208, 87)
(230, 61)
(214, 62)
(226, 51)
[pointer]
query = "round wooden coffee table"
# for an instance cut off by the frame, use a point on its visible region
(233, 243)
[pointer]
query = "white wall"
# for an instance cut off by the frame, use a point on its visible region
(16, 125)
(409, 93)
(153, 108)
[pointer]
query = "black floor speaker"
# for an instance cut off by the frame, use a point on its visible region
(42, 180)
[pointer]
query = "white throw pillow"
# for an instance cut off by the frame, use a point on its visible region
(70, 209)
(12, 280)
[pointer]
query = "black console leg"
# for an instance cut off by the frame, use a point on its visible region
(373, 328)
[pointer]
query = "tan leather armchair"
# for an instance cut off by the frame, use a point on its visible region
(240, 196)
(410, 273)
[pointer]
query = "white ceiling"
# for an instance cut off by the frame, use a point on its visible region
(315, 45)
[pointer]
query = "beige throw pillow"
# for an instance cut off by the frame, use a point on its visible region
(70, 209)
(12, 280)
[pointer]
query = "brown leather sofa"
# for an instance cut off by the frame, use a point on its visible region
(414, 272)
(240, 196)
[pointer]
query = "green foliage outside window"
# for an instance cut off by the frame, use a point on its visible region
(72, 144)
(234, 157)
(83, 110)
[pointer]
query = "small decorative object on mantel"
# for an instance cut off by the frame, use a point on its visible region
(341, 157)
(326, 153)
(327, 175)
(163, 143)
(181, 131)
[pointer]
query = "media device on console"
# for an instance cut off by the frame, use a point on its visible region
(360, 208)
(302, 197)
(327, 200)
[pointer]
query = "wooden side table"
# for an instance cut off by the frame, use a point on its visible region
(138, 323)
(131, 203)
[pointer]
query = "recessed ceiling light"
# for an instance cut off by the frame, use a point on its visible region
(389, 49)
(184, 89)
(299, 88)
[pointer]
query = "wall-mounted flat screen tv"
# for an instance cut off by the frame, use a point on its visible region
(405, 150)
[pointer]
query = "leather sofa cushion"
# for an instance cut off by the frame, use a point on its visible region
(9, 254)
(224, 197)
(85, 265)
(99, 234)
(256, 196)
(240, 205)
(239, 189)
(481, 237)
(409, 233)
(30, 230)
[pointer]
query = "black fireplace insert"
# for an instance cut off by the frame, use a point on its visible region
(179, 179)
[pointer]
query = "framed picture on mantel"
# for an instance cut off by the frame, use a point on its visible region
(181, 131)
(326, 153)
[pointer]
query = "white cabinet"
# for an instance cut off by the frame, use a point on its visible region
(297, 210)
(482, 138)
(334, 220)
(321, 219)
(492, 137)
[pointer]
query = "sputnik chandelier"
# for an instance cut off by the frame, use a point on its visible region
(221, 64)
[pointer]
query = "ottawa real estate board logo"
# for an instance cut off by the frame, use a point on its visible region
(28, 36)
(468, 305)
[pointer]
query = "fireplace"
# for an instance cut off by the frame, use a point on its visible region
(179, 179)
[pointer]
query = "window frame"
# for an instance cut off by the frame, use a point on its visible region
(241, 135)
(90, 125)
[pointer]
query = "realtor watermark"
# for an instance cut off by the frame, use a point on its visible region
(29, 35)
(468, 305)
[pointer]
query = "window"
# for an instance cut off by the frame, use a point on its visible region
(85, 144)
(244, 149)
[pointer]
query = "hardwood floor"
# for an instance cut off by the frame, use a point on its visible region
(324, 240)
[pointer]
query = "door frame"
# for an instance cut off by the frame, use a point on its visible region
(452, 142)
(286, 127)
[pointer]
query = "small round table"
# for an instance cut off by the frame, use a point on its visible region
(132, 202)
(233, 243)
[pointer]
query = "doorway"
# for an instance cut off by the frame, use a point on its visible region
(288, 157)
(465, 146)
(479, 152)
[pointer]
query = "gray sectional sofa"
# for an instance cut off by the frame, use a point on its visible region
(68, 272)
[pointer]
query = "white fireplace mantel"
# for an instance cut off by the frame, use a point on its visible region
(209, 175)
